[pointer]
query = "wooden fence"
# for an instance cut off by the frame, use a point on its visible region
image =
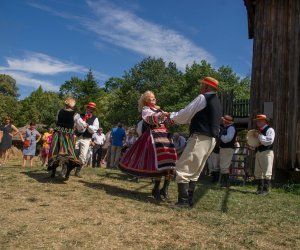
(235, 108)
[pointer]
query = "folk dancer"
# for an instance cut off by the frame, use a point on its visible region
(264, 154)
(204, 115)
(62, 148)
(84, 137)
(227, 140)
(153, 154)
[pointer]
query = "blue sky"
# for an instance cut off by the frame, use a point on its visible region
(45, 42)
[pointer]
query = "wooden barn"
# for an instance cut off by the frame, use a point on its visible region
(274, 26)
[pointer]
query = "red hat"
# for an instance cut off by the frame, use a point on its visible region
(227, 118)
(262, 117)
(210, 81)
(91, 105)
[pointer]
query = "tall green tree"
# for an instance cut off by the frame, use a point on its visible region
(113, 83)
(41, 106)
(192, 74)
(150, 74)
(9, 105)
(84, 91)
(8, 86)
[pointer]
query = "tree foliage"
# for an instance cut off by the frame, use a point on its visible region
(9, 105)
(84, 91)
(117, 101)
(8, 86)
(41, 106)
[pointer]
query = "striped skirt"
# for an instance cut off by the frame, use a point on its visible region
(62, 149)
(152, 155)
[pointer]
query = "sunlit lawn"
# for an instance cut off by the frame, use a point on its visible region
(105, 210)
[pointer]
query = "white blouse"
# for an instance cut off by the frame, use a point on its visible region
(267, 139)
(185, 115)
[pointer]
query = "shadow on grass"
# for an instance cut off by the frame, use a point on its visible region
(204, 185)
(202, 189)
(124, 177)
(224, 205)
(242, 191)
(200, 192)
(121, 192)
(116, 175)
(228, 192)
(43, 177)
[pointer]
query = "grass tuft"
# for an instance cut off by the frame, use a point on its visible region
(107, 210)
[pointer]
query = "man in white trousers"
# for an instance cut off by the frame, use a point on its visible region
(84, 138)
(204, 116)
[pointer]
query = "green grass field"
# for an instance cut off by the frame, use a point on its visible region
(105, 210)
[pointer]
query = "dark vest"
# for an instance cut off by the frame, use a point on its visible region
(207, 120)
(65, 119)
(89, 121)
(262, 148)
(231, 143)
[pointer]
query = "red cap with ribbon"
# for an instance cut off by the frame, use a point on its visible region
(262, 117)
(91, 105)
(210, 81)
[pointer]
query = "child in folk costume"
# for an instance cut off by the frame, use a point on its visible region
(153, 154)
(62, 149)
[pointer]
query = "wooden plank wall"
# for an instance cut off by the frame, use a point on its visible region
(275, 74)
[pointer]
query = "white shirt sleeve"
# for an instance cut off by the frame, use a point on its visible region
(268, 139)
(94, 128)
(185, 115)
(79, 123)
(230, 134)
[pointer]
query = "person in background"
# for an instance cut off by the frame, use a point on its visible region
(214, 162)
(8, 131)
(227, 141)
(84, 137)
(130, 140)
(32, 137)
(264, 154)
(118, 137)
(107, 149)
(179, 142)
(98, 140)
(47, 138)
